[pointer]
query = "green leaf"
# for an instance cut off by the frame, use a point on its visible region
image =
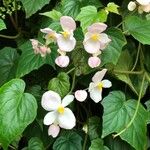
(8, 63)
(94, 127)
(70, 140)
(112, 53)
(88, 16)
(138, 28)
(35, 144)
(112, 7)
(54, 14)
(97, 144)
(34, 6)
(147, 103)
(17, 109)
(72, 7)
(2, 25)
(30, 61)
(118, 113)
(60, 84)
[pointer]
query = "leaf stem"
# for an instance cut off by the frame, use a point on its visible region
(73, 82)
(70, 70)
(128, 72)
(136, 110)
(10, 37)
(85, 141)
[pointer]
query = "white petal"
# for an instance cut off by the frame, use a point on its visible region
(104, 38)
(92, 85)
(91, 46)
(143, 2)
(97, 28)
(50, 118)
(47, 30)
(81, 95)
(96, 95)
(62, 61)
(53, 130)
(131, 6)
(66, 44)
(50, 100)
(99, 76)
(67, 100)
(94, 62)
(67, 119)
(106, 83)
(146, 8)
(67, 23)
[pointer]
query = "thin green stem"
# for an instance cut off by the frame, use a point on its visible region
(85, 141)
(128, 72)
(137, 57)
(73, 82)
(10, 37)
(70, 70)
(136, 110)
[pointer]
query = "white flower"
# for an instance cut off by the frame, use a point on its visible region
(143, 2)
(94, 39)
(66, 42)
(62, 61)
(59, 114)
(94, 62)
(53, 130)
(81, 95)
(97, 84)
(131, 6)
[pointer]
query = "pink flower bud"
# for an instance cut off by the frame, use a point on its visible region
(44, 50)
(62, 61)
(81, 95)
(94, 62)
(53, 130)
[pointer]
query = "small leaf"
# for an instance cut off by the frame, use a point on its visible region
(112, 53)
(54, 14)
(112, 7)
(97, 144)
(2, 25)
(8, 64)
(70, 140)
(139, 28)
(60, 84)
(35, 144)
(94, 127)
(88, 16)
(33, 7)
(17, 109)
(30, 61)
(118, 113)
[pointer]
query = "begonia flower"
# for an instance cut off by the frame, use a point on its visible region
(94, 62)
(131, 6)
(59, 114)
(66, 42)
(143, 2)
(94, 38)
(97, 85)
(62, 61)
(81, 95)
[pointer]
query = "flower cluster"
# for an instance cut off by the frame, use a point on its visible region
(94, 41)
(142, 5)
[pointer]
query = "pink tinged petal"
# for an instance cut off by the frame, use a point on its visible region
(97, 28)
(99, 76)
(67, 119)
(81, 95)
(62, 61)
(106, 83)
(94, 62)
(50, 100)
(103, 46)
(96, 95)
(67, 23)
(87, 36)
(44, 50)
(50, 118)
(104, 38)
(91, 46)
(47, 30)
(53, 130)
(143, 2)
(67, 100)
(146, 8)
(66, 44)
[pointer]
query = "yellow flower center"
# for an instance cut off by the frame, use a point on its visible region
(51, 36)
(61, 109)
(95, 37)
(65, 34)
(100, 86)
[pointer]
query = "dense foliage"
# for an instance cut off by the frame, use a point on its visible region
(74, 74)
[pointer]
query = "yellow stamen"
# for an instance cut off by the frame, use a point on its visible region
(65, 34)
(95, 37)
(61, 109)
(100, 86)
(51, 36)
